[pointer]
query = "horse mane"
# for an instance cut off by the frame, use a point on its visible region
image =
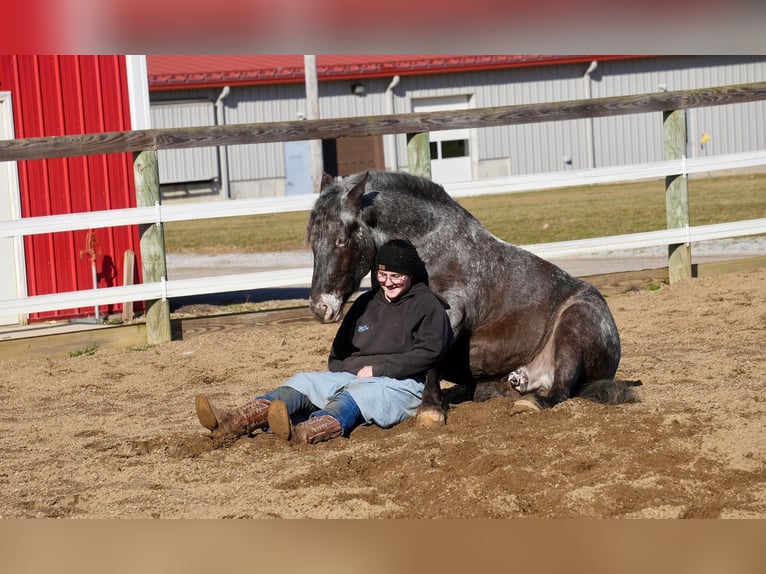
(404, 183)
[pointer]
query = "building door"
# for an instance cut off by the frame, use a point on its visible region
(298, 168)
(450, 149)
(12, 285)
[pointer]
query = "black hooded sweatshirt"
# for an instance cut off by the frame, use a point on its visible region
(401, 339)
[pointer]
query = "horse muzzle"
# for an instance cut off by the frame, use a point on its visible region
(327, 308)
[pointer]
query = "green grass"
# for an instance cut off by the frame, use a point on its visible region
(520, 218)
(245, 234)
(84, 352)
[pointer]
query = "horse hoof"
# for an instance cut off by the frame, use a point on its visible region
(525, 406)
(430, 418)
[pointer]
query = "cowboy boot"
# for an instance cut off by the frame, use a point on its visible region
(241, 420)
(316, 429)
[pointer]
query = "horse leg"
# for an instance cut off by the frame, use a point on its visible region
(582, 347)
(522, 403)
(432, 411)
(486, 390)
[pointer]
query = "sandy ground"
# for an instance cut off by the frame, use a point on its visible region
(113, 434)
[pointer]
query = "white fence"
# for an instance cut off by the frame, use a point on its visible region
(270, 279)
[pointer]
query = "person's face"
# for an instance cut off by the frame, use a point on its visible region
(394, 285)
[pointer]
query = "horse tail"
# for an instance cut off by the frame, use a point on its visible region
(610, 391)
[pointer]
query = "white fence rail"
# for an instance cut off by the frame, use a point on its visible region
(514, 184)
(302, 276)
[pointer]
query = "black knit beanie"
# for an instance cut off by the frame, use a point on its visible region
(398, 256)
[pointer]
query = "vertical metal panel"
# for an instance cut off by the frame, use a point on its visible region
(65, 95)
(264, 104)
(185, 165)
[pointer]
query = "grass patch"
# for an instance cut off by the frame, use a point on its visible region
(520, 218)
(246, 234)
(142, 348)
(84, 352)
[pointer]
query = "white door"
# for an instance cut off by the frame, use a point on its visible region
(12, 285)
(450, 149)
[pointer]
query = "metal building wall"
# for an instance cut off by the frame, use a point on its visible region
(731, 129)
(534, 148)
(285, 103)
(526, 149)
(65, 95)
(257, 104)
(188, 165)
(243, 105)
(538, 148)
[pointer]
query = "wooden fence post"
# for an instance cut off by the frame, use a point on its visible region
(153, 265)
(128, 271)
(419, 154)
(677, 194)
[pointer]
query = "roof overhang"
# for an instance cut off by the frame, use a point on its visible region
(197, 72)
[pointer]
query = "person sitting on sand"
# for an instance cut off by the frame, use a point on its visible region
(391, 336)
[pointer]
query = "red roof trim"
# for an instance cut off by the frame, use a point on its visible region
(194, 72)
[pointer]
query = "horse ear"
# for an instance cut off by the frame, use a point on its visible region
(327, 181)
(354, 196)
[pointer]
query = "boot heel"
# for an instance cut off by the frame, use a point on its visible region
(279, 420)
(206, 412)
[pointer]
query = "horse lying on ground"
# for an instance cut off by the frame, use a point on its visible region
(524, 328)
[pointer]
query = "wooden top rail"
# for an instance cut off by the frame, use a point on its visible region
(237, 134)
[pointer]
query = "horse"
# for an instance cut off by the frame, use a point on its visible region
(524, 328)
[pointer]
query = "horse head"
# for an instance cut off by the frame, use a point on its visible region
(342, 245)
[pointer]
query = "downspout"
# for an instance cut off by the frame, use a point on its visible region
(391, 151)
(223, 154)
(589, 125)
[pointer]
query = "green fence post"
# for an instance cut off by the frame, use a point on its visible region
(153, 264)
(419, 154)
(677, 194)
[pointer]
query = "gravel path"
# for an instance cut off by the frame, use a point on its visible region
(184, 266)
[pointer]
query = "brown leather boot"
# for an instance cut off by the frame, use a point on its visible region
(242, 420)
(316, 429)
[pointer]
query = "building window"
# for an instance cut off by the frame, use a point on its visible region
(447, 149)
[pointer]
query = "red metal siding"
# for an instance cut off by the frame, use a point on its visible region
(68, 95)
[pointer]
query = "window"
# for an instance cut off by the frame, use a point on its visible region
(447, 149)
(454, 148)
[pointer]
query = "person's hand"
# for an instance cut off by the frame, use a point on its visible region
(364, 372)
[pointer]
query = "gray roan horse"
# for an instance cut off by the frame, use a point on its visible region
(524, 328)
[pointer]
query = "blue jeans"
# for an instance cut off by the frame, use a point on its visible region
(382, 400)
(341, 406)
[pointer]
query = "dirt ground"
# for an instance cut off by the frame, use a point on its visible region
(113, 434)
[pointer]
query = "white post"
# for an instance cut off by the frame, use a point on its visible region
(392, 161)
(587, 79)
(312, 113)
(138, 92)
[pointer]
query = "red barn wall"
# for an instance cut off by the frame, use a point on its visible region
(70, 95)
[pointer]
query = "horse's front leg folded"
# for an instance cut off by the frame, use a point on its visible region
(432, 411)
(508, 388)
